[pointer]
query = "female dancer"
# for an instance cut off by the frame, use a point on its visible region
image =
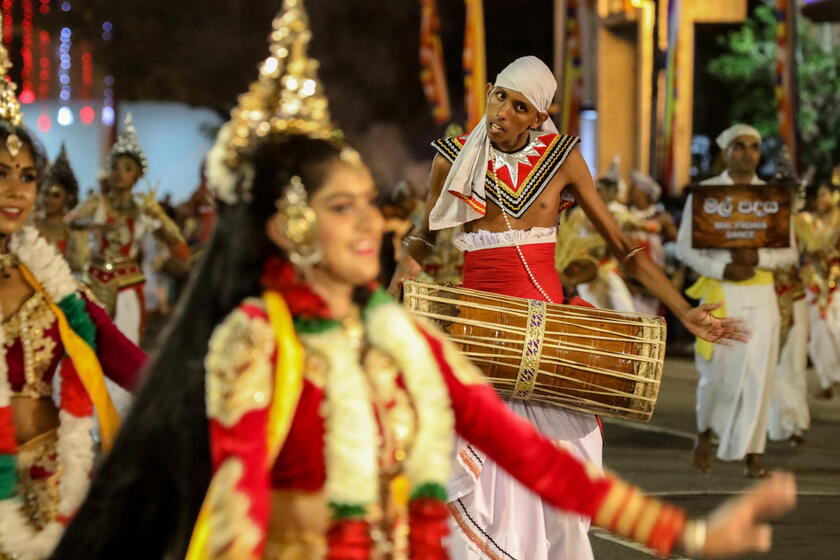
(49, 327)
(60, 194)
(120, 221)
(295, 412)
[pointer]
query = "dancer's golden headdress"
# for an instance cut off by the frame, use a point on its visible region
(287, 97)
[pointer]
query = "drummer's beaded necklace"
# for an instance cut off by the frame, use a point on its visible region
(533, 278)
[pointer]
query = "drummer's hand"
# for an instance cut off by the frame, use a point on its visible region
(703, 324)
(407, 269)
(737, 526)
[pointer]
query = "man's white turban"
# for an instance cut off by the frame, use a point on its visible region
(730, 134)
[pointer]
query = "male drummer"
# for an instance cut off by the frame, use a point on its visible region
(505, 183)
(735, 386)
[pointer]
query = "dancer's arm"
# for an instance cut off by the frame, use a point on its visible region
(121, 359)
(566, 483)
(637, 263)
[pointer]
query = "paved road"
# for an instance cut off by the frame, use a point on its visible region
(656, 457)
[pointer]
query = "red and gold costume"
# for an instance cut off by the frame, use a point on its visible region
(258, 504)
(72, 244)
(120, 224)
(57, 329)
(115, 267)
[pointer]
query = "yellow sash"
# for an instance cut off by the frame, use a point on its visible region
(709, 290)
(87, 366)
(288, 385)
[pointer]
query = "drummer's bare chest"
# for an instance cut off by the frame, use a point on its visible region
(542, 212)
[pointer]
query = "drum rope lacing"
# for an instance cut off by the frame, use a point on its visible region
(515, 244)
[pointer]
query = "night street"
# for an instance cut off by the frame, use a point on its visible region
(657, 457)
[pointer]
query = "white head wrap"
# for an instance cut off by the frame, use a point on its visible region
(730, 134)
(647, 184)
(532, 78)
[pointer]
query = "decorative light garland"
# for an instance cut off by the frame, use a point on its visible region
(8, 23)
(27, 95)
(65, 114)
(86, 113)
(44, 64)
(44, 74)
(108, 113)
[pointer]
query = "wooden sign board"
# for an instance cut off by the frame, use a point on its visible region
(740, 216)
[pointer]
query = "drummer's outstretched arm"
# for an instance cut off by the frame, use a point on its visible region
(637, 263)
(562, 480)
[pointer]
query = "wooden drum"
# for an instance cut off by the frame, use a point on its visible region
(589, 360)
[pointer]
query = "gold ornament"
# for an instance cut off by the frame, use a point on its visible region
(287, 97)
(9, 104)
(298, 224)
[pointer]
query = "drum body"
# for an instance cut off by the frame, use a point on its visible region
(588, 360)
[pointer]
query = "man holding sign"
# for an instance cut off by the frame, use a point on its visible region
(735, 386)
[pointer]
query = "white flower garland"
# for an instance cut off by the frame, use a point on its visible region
(352, 437)
(75, 446)
(392, 330)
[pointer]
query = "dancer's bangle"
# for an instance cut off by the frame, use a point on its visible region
(694, 538)
(631, 254)
(407, 241)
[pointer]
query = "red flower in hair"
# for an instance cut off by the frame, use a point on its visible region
(279, 276)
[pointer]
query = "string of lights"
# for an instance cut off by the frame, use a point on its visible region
(27, 95)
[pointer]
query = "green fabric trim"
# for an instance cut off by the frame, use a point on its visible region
(347, 511)
(377, 298)
(74, 309)
(8, 476)
(306, 325)
(429, 490)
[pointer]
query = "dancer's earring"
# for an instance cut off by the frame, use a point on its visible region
(297, 223)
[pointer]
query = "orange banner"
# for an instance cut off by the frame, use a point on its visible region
(475, 64)
(432, 68)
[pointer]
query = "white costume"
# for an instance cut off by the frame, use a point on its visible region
(496, 516)
(789, 414)
(819, 236)
(824, 343)
(608, 291)
(736, 385)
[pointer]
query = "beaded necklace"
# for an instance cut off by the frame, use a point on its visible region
(533, 278)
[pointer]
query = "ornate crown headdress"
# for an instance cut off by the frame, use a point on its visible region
(9, 104)
(287, 97)
(62, 172)
(128, 144)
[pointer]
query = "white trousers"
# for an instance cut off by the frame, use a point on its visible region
(494, 516)
(736, 385)
(824, 346)
(128, 318)
(789, 413)
(618, 294)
